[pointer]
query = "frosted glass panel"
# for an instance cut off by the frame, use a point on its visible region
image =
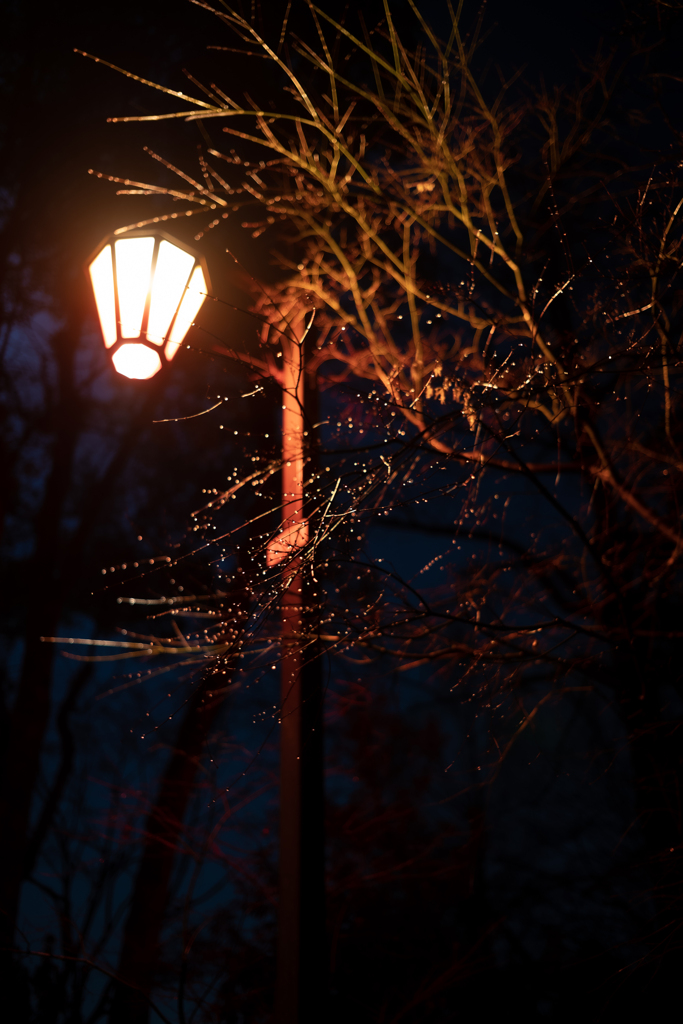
(170, 277)
(133, 268)
(189, 307)
(171, 349)
(102, 277)
(136, 361)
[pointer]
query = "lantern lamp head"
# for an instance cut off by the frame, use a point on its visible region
(148, 289)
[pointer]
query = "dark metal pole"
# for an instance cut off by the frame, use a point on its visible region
(301, 956)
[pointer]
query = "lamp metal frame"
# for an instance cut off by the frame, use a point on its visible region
(158, 235)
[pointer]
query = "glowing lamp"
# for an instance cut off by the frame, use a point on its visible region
(148, 289)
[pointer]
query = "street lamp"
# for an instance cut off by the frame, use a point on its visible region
(148, 289)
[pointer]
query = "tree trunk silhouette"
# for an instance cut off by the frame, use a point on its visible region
(66, 763)
(657, 758)
(50, 571)
(139, 955)
(30, 715)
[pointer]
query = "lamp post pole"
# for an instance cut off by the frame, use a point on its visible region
(301, 919)
(287, 994)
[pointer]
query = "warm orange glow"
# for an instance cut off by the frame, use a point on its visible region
(136, 361)
(287, 542)
(170, 277)
(133, 270)
(102, 277)
(189, 307)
